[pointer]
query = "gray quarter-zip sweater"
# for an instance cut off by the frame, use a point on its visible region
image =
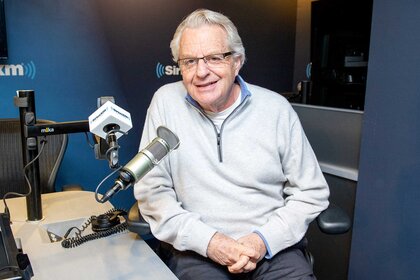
(258, 174)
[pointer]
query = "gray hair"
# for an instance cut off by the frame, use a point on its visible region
(202, 17)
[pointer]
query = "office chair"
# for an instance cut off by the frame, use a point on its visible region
(11, 162)
(332, 220)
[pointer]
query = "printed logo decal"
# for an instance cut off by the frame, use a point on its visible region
(167, 70)
(23, 69)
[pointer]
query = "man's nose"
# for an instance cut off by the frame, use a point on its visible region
(202, 68)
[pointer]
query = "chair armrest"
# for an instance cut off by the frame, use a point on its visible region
(136, 223)
(334, 220)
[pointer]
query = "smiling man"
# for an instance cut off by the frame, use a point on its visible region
(236, 198)
(214, 87)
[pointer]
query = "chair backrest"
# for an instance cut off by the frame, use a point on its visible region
(11, 160)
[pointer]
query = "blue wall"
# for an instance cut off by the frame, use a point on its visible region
(66, 55)
(75, 51)
(386, 225)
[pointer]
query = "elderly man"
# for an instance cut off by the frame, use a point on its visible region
(235, 200)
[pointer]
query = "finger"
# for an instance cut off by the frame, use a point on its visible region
(250, 266)
(251, 253)
(256, 258)
(243, 260)
(232, 270)
(235, 271)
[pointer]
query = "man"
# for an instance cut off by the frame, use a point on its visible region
(239, 193)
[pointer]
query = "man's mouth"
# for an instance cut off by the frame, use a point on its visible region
(206, 84)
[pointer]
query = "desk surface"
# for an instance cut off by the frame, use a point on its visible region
(120, 256)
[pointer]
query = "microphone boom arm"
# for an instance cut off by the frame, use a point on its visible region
(30, 130)
(56, 128)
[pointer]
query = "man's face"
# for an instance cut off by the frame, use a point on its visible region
(211, 86)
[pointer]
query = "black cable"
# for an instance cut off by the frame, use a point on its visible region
(92, 146)
(6, 208)
(79, 239)
(103, 180)
(79, 230)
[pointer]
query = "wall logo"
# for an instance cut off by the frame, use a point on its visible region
(168, 70)
(23, 69)
(30, 70)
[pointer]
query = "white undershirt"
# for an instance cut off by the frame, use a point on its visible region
(219, 117)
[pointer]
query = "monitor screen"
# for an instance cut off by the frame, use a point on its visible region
(3, 37)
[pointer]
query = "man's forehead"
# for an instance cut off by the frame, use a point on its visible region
(203, 40)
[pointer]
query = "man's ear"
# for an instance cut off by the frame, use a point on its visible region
(237, 64)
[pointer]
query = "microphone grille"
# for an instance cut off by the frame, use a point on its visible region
(158, 150)
(168, 136)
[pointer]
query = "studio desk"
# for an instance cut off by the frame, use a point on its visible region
(120, 256)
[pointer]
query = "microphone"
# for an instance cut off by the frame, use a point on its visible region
(144, 161)
(110, 122)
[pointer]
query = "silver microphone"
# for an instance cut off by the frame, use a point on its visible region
(144, 161)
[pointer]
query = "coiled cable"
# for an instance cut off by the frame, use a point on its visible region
(79, 239)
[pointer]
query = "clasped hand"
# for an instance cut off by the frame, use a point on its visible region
(240, 256)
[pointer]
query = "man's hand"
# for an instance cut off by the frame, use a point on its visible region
(247, 263)
(227, 251)
(254, 241)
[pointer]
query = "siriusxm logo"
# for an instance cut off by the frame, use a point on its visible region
(28, 70)
(168, 70)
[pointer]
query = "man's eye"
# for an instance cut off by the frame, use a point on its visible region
(189, 62)
(215, 58)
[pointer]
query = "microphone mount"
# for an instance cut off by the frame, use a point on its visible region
(111, 140)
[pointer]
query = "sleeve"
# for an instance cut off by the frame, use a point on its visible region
(306, 193)
(158, 202)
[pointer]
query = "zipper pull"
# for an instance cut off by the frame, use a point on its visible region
(219, 148)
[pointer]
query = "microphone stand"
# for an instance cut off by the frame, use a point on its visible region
(30, 131)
